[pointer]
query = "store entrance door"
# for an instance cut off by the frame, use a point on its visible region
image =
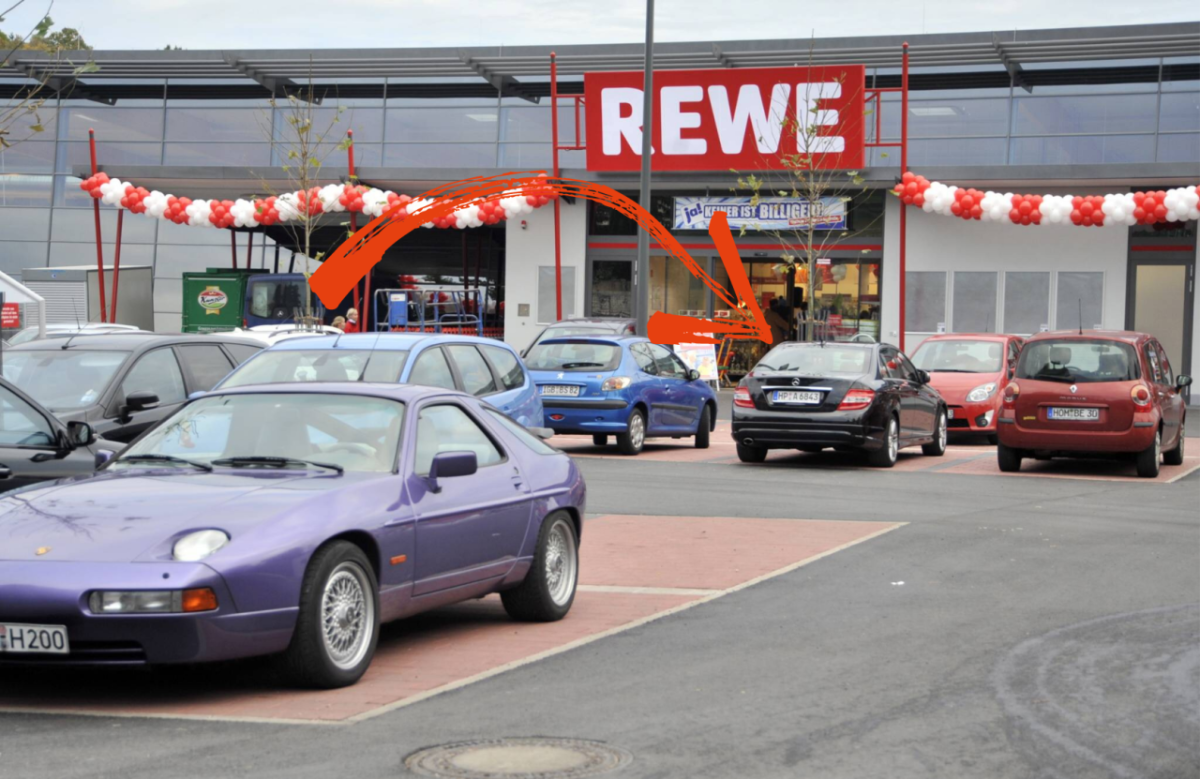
(610, 288)
(1160, 302)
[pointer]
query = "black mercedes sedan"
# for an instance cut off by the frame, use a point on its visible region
(848, 396)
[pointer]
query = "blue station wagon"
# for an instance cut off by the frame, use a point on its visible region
(488, 369)
(623, 386)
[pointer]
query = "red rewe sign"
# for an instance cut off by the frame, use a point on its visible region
(746, 119)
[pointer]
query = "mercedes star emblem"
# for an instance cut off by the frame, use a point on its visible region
(795, 382)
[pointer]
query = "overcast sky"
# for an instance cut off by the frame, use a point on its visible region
(245, 24)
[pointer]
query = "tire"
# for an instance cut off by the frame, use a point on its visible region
(1008, 459)
(886, 455)
(751, 454)
(938, 447)
(1149, 460)
(634, 438)
(1175, 456)
(548, 591)
(704, 428)
(340, 577)
(600, 440)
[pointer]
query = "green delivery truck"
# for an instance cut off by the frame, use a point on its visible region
(221, 299)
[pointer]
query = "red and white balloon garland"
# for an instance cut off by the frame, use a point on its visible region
(329, 199)
(1120, 210)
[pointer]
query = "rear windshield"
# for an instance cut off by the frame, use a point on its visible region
(573, 356)
(288, 366)
(815, 360)
(63, 380)
(1078, 361)
(959, 356)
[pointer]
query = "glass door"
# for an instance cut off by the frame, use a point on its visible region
(1160, 302)
(611, 292)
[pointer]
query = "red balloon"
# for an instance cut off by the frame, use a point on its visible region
(956, 208)
(1077, 216)
(919, 199)
(908, 176)
(1026, 208)
(1015, 215)
(1076, 201)
(1087, 221)
(911, 188)
(1161, 212)
(1139, 214)
(976, 212)
(1036, 217)
(1025, 219)
(1087, 208)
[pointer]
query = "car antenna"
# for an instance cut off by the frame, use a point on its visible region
(1081, 316)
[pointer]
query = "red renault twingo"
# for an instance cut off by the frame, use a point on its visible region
(970, 370)
(1088, 392)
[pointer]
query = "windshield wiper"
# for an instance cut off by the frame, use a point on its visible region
(164, 458)
(952, 370)
(273, 462)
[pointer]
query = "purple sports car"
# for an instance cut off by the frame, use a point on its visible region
(289, 519)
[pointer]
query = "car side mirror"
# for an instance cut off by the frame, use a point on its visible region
(104, 457)
(140, 400)
(81, 433)
(543, 433)
(449, 464)
(923, 376)
(197, 394)
(693, 375)
(1183, 381)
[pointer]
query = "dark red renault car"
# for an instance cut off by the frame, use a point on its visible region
(1093, 392)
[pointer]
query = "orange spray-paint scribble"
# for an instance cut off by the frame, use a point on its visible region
(354, 259)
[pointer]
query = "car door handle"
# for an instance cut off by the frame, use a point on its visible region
(5, 472)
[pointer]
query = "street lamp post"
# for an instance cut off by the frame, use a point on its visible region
(643, 250)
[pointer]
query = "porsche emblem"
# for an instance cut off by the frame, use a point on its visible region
(41, 550)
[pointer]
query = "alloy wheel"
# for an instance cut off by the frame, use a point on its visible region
(561, 562)
(637, 431)
(347, 615)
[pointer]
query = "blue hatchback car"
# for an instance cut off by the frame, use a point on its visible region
(488, 369)
(623, 386)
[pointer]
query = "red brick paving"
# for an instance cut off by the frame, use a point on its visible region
(446, 648)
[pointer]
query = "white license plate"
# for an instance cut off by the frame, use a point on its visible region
(34, 639)
(1074, 414)
(560, 390)
(787, 396)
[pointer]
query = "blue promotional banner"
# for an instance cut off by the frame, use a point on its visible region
(768, 213)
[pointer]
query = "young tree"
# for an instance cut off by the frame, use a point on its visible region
(20, 116)
(305, 136)
(820, 190)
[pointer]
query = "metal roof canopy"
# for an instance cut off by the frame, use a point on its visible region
(502, 66)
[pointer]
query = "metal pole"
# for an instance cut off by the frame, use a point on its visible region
(353, 179)
(233, 247)
(558, 308)
(643, 250)
(903, 209)
(249, 248)
(276, 255)
(96, 213)
(117, 264)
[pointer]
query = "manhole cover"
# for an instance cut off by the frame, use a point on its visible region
(518, 758)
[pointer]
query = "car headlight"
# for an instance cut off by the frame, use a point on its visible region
(615, 383)
(196, 546)
(982, 392)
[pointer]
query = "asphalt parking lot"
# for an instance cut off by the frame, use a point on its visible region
(805, 617)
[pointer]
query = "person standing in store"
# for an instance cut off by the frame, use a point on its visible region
(776, 321)
(339, 322)
(351, 321)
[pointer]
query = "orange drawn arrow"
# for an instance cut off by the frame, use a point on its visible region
(354, 259)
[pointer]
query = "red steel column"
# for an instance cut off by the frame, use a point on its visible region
(353, 181)
(96, 213)
(903, 208)
(558, 311)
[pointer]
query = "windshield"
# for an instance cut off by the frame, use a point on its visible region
(63, 380)
(28, 334)
(573, 356)
(813, 360)
(1078, 361)
(276, 299)
(351, 431)
(960, 356)
(289, 366)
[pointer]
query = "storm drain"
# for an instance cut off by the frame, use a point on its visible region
(518, 758)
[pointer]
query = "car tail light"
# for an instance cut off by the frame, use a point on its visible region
(742, 399)
(1140, 394)
(857, 399)
(614, 383)
(1011, 392)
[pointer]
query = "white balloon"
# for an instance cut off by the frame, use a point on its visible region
(243, 213)
(198, 213)
(156, 204)
(328, 195)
